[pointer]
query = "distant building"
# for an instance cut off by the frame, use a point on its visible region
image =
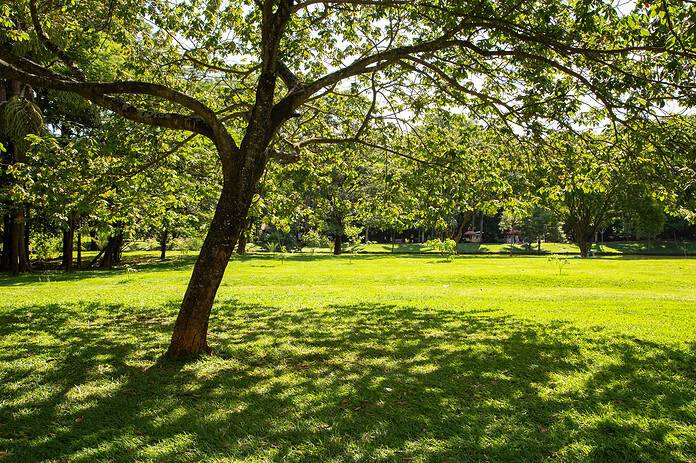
(472, 236)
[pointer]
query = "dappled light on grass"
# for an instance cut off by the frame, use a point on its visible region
(361, 382)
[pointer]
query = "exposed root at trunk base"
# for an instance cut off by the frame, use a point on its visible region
(184, 354)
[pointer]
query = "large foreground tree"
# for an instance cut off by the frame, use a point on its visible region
(245, 75)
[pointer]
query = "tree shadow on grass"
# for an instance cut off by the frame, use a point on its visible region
(344, 383)
(127, 265)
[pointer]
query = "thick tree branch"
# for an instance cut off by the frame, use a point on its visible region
(50, 46)
(96, 95)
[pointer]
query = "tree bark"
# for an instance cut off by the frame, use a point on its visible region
(189, 338)
(583, 235)
(241, 245)
(27, 229)
(163, 241)
(242, 169)
(79, 248)
(68, 246)
(338, 242)
(6, 242)
(459, 231)
(14, 254)
(112, 251)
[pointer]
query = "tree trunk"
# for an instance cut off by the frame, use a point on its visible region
(79, 248)
(15, 258)
(241, 245)
(15, 245)
(93, 240)
(68, 246)
(583, 235)
(584, 248)
(189, 338)
(459, 231)
(6, 242)
(338, 242)
(16, 242)
(163, 241)
(112, 251)
(241, 175)
(27, 243)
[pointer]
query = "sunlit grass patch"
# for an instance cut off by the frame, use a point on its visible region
(382, 359)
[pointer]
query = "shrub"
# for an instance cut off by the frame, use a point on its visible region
(447, 248)
(184, 244)
(44, 246)
(559, 262)
(273, 240)
(314, 239)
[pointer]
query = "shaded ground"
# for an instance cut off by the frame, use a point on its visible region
(361, 382)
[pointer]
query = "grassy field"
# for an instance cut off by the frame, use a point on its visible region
(672, 248)
(366, 358)
(608, 248)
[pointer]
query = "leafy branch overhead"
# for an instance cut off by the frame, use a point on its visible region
(520, 62)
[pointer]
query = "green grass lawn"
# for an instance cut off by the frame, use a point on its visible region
(371, 358)
(608, 248)
(667, 248)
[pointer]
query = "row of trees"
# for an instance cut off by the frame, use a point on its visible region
(71, 170)
(266, 82)
(582, 182)
(71, 185)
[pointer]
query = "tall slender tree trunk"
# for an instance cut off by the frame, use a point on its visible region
(27, 238)
(338, 243)
(15, 254)
(163, 241)
(79, 248)
(242, 242)
(68, 245)
(242, 170)
(6, 242)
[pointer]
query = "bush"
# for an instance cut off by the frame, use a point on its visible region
(186, 244)
(273, 241)
(447, 248)
(314, 239)
(45, 247)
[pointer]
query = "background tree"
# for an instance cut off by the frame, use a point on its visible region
(19, 119)
(468, 170)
